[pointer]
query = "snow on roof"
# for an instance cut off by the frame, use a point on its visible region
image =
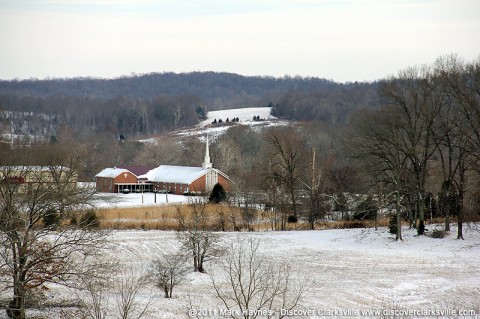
(112, 172)
(175, 174)
(138, 170)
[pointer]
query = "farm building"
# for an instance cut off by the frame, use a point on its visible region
(164, 178)
(37, 174)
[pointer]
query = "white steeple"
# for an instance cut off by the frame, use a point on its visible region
(206, 162)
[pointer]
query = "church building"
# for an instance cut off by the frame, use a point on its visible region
(178, 180)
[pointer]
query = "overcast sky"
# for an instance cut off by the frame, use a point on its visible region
(343, 40)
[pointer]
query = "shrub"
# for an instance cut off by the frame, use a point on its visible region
(392, 224)
(51, 218)
(366, 210)
(437, 233)
(90, 219)
(353, 224)
(218, 194)
(292, 219)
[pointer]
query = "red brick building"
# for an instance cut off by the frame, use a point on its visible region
(164, 178)
(116, 180)
(186, 180)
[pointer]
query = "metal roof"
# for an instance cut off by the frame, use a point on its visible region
(175, 174)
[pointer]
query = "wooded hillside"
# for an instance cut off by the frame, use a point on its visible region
(160, 102)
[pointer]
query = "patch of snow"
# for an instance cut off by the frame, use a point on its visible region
(244, 115)
(112, 172)
(151, 140)
(110, 200)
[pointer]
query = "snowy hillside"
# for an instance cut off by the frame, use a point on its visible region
(344, 270)
(245, 117)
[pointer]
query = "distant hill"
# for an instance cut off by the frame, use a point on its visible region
(218, 90)
(162, 102)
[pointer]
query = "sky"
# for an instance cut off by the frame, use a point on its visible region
(341, 40)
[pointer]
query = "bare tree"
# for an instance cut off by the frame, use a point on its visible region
(286, 154)
(143, 110)
(460, 137)
(33, 253)
(376, 138)
(127, 295)
(168, 271)
(417, 96)
(196, 235)
(95, 303)
(315, 185)
(228, 155)
(250, 286)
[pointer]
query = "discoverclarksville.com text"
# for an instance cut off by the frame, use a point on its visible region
(214, 313)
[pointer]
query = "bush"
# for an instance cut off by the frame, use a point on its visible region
(366, 210)
(90, 219)
(392, 224)
(352, 224)
(292, 219)
(218, 194)
(51, 218)
(437, 233)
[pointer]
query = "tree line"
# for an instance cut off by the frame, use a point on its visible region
(158, 103)
(425, 139)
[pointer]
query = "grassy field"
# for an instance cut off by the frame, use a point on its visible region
(218, 217)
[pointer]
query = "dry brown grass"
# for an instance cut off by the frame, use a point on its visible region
(221, 218)
(164, 217)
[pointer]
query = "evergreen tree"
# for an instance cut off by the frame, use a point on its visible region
(366, 210)
(218, 194)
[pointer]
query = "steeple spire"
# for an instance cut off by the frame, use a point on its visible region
(206, 162)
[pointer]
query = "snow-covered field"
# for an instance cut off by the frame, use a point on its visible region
(345, 270)
(107, 200)
(245, 116)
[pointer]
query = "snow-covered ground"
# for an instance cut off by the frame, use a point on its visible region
(349, 270)
(107, 200)
(244, 115)
(345, 270)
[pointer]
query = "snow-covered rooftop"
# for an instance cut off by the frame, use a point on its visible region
(174, 174)
(112, 172)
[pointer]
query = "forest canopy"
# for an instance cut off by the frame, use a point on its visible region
(161, 102)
